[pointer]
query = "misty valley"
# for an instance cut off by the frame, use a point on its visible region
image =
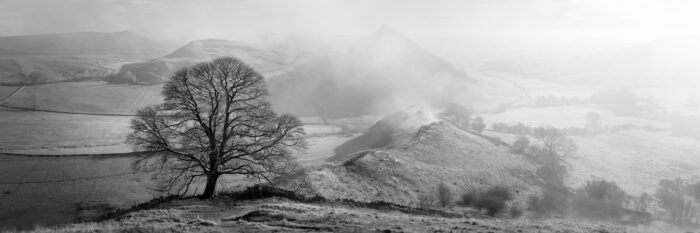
(374, 126)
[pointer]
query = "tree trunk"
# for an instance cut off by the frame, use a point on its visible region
(210, 189)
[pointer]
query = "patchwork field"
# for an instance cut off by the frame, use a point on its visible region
(636, 159)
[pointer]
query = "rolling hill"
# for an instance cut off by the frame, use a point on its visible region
(71, 56)
(407, 154)
(379, 74)
(158, 70)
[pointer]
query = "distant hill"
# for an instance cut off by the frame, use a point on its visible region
(82, 43)
(158, 70)
(381, 73)
(71, 56)
(407, 154)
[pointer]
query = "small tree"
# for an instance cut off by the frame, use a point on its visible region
(520, 145)
(425, 201)
(672, 198)
(215, 121)
(554, 141)
(444, 194)
(478, 124)
(459, 115)
(642, 202)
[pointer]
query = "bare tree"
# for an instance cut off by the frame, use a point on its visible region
(458, 114)
(642, 202)
(554, 141)
(444, 195)
(215, 121)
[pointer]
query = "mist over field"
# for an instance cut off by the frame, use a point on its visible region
(349, 116)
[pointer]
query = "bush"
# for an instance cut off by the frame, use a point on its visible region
(493, 200)
(520, 145)
(516, 211)
(425, 201)
(599, 199)
(467, 199)
(554, 200)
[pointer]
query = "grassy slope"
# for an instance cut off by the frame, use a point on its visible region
(636, 159)
(41, 190)
(414, 162)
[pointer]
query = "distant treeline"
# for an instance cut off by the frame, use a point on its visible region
(621, 102)
(523, 129)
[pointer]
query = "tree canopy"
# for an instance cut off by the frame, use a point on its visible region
(215, 120)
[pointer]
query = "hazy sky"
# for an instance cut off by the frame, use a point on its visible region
(242, 18)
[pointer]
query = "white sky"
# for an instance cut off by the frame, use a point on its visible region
(548, 19)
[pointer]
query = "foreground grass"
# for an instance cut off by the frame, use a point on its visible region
(285, 215)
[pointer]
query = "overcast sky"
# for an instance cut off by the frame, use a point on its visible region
(243, 18)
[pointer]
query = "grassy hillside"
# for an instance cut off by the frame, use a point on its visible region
(634, 159)
(71, 56)
(266, 62)
(415, 159)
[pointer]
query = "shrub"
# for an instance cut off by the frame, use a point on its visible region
(554, 200)
(444, 195)
(672, 196)
(520, 145)
(599, 199)
(478, 125)
(516, 211)
(467, 199)
(493, 200)
(425, 201)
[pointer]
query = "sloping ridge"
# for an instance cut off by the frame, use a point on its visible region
(380, 74)
(82, 43)
(413, 164)
(159, 70)
(393, 129)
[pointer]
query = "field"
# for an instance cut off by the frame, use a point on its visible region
(51, 189)
(84, 97)
(53, 133)
(636, 159)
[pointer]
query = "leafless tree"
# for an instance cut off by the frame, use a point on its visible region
(444, 195)
(554, 141)
(215, 121)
